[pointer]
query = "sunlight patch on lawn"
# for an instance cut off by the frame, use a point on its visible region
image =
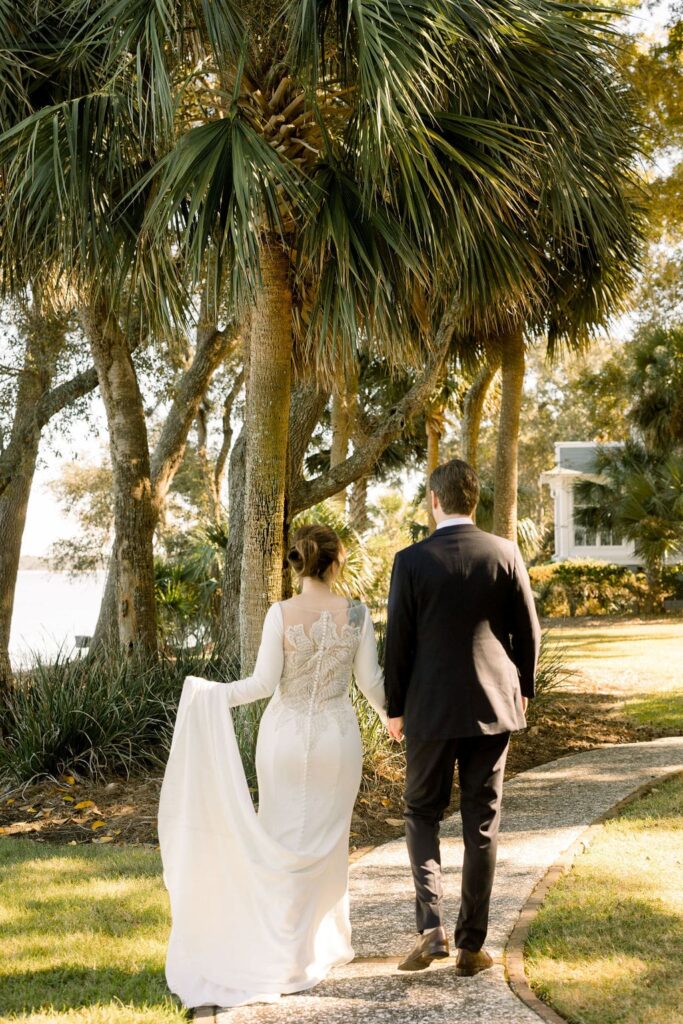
(607, 945)
(662, 710)
(84, 936)
(634, 658)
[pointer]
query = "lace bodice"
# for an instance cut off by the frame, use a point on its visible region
(307, 662)
(318, 663)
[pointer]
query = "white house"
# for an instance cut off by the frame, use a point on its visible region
(575, 460)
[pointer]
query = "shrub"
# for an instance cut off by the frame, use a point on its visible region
(105, 714)
(110, 715)
(588, 588)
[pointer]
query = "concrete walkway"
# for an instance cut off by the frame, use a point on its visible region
(544, 811)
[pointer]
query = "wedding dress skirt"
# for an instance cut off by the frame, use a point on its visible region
(260, 901)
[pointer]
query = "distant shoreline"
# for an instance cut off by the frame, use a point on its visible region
(33, 562)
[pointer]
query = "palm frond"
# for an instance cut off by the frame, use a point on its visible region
(219, 189)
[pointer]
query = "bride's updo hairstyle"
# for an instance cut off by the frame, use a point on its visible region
(314, 549)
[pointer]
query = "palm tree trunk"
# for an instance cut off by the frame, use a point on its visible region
(266, 424)
(358, 505)
(473, 409)
(34, 383)
(505, 484)
(134, 517)
(433, 442)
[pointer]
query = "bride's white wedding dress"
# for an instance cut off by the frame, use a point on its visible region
(259, 902)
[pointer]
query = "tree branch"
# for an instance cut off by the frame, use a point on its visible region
(212, 347)
(50, 404)
(337, 478)
(231, 398)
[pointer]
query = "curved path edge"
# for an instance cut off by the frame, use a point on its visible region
(513, 954)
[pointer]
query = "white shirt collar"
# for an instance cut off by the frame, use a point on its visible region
(455, 521)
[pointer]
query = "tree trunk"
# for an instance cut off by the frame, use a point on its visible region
(266, 423)
(306, 409)
(226, 443)
(433, 442)
(134, 517)
(206, 469)
(358, 505)
(42, 349)
(473, 409)
(107, 629)
(505, 484)
(212, 346)
(341, 422)
(232, 576)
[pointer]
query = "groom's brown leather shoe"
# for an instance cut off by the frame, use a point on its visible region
(432, 946)
(468, 963)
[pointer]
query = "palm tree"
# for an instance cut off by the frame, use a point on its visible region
(656, 383)
(75, 143)
(572, 258)
(639, 497)
(319, 179)
(353, 170)
(372, 133)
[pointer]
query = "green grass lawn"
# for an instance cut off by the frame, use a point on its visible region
(638, 662)
(607, 945)
(83, 934)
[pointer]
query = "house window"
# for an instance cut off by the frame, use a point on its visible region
(611, 537)
(585, 537)
(589, 537)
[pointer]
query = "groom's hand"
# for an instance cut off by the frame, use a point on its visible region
(395, 727)
(525, 703)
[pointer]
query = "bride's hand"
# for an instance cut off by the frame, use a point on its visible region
(395, 727)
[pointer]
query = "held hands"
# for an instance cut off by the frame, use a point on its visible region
(395, 727)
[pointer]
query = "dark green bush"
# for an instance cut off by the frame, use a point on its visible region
(101, 715)
(588, 588)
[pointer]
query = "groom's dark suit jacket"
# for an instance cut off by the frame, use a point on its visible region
(462, 637)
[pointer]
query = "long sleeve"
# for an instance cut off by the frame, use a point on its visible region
(526, 630)
(400, 639)
(269, 663)
(368, 671)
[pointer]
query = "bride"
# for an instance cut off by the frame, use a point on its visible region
(259, 901)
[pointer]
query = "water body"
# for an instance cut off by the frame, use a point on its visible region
(50, 610)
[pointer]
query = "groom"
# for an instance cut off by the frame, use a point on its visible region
(461, 651)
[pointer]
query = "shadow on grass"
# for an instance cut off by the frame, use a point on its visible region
(83, 928)
(71, 988)
(607, 960)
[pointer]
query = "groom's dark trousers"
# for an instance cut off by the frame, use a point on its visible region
(461, 649)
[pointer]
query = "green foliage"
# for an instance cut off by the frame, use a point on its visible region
(84, 492)
(188, 587)
(104, 714)
(595, 588)
(656, 383)
(638, 494)
(551, 673)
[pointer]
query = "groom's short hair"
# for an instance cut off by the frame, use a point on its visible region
(456, 485)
